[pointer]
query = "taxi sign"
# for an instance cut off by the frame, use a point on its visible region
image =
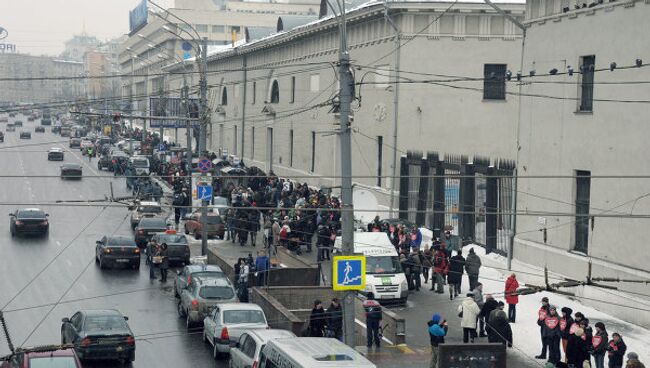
(349, 273)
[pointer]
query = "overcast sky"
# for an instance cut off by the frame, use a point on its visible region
(40, 27)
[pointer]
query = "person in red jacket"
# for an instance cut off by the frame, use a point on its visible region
(511, 287)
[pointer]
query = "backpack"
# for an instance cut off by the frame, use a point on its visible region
(283, 233)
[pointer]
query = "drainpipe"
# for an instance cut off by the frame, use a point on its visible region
(395, 107)
(513, 217)
(243, 108)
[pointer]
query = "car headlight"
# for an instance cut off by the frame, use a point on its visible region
(403, 285)
(369, 288)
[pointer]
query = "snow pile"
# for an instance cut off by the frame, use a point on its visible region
(526, 336)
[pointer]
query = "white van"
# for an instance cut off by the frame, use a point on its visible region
(384, 275)
(311, 352)
(140, 164)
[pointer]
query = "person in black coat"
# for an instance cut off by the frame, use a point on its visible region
(317, 320)
(455, 273)
(577, 350)
(335, 319)
(616, 351)
(499, 329)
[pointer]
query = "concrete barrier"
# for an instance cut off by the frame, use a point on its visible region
(290, 307)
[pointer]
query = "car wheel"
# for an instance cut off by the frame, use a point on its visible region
(187, 232)
(188, 321)
(176, 294)
(181, 312)
(13, 233)
(215, 352)
(205, 338)
(102, 264)
(136, 266)
(196, 235)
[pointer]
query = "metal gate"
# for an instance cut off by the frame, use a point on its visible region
(480, 201)
(452, 201)
(504, 215)
(414, 191)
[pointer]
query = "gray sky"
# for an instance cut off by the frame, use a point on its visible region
(40, 27)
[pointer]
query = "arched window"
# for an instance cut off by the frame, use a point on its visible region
(275, 92)
(224, 97)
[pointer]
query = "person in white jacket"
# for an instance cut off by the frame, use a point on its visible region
(469, 312)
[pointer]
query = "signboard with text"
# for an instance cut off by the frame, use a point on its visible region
(138, 17)
(6, 47)
(173, 107)
(472, 356)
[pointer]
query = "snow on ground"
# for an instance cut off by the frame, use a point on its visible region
(525, 331)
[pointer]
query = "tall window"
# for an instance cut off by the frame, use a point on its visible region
(275, 92)
(234, 138)
(291, 148)
(254, 92)
(586, 89)
(253, 143)
(380, 154)
(201, 28)
(224, 97)
(494, 82)
(218, 29)
(313, 152)
(314, 82)
(293, 90)
(583, 189)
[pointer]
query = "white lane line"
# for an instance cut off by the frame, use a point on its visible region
(58, 243)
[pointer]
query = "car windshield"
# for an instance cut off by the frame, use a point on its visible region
(149, 209)
(101, 323)
(204, 274)
(216, 292)
(31, 214)
(213, 220)
(72, 166)
(243, 316)
(140, 163)
(382, 265)
(172, 238)
(121, 242)
(153, 222)
(52, 362)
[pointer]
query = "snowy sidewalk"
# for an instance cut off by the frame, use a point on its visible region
(525, 331)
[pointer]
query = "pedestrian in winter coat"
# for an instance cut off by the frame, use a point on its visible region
(262, 267)
(588, 332)
(512, 299)
(469, 312)
(488, 307)
(455, 274)
(478, 298)
(440, 267)
(541, 316)
(599, 345)
(633, 361)
(499, 329)
(374, 316)
(416, 238)
(616, 351)
(437, 332)
(492, 314)
(551, 334)
(335, 319)
(427, 263)
(317, 320)
(566, 321)
(576, 351)
(472, 267)
(415, 262)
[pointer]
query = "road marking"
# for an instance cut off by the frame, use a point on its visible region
(364, 326)
(58, 243)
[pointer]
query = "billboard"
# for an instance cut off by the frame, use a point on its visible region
(6, 47)
(169, 106)
(138, 17)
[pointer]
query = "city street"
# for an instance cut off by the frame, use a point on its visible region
(161, 338)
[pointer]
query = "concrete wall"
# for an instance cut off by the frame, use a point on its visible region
(557, 140)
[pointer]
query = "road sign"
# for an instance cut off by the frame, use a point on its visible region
(204, 192)
(204, 164)
(349, 273)
(162, 147)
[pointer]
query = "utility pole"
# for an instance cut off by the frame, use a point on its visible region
(243, 106)
(347, 234)
(146, 104)
(203, 139)
(132, 101)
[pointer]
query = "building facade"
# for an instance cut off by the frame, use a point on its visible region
(583, 154)
(55, 84)
(273, 100)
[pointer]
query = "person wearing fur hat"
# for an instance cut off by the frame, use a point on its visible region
(437, 331)
(576, 350)
(599, 344)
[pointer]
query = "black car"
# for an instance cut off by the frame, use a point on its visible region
(75, 142)
(178, 249)
(2, 137)
(18, 123)
(56, 129)
(99, 335)
(106, 161)
(146, 228)
(46, 121)
(25, 135)
(29, 221)
(71, 171)
(117, 250)
(55, 154)
(39, 129)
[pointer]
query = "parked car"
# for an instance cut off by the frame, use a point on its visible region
(18, 123)
(56, 129)
(39, 129)
(58, 358)
(312, 352)
(201, 295)
(2, 137)
(71, 171)
(146, 228)
(226, 323)
(184, 276)
(116, 250)
(11, 128)
(99, 335)
(25, 135)
(55, 154)
(75, 143)
(106, 161)
(140, 164)
(178, 250)
(29, 221)
(46, 121)
(214, 222)
(145, 209)
(246, 353)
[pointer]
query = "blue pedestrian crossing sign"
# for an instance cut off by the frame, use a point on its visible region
(349, 273)
(204, 192)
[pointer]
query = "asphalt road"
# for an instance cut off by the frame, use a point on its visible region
(62, 265)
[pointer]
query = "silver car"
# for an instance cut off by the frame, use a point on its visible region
(145, 209)
(201, 295)
(227, 322)
(246, 353)
(184, 276)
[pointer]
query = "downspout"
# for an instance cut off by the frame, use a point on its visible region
(513, 216)
(243, 106)
(395, 107)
